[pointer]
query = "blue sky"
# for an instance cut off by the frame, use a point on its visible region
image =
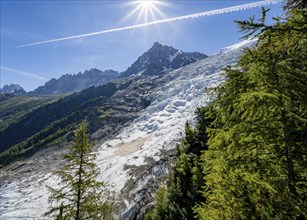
(25, 22)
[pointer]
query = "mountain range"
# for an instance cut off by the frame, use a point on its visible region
(136, 120)
(156, 61)
(70, 83)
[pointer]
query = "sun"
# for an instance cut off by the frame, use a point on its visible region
(145, 10)
(147, 4)
(148, 9)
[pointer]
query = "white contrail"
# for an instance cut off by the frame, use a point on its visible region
(185, 17)
(23, 73)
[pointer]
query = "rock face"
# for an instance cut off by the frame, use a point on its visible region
(70, 83)
(13, 89)
(161, 58)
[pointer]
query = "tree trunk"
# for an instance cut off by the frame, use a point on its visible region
(79, 187)
(288, 153)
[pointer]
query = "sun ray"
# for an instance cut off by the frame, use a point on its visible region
(131, 14)
(158, 11)
(152, 13)
(162, 21)
(145, 11)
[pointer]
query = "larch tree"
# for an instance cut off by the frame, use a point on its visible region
(255, 167)
(247, 157)
(79, 195)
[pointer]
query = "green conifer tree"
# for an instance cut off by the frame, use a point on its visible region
(255, 167)
(79, 195)
(182, 192)
(296, 4)
(254, 151)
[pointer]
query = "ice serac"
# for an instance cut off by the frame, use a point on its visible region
(136, 160)
(161, 58)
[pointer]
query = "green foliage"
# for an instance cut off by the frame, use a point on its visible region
(13, 108)
(80, 195)
(255, 167)
(4, 97)
(250, 160)
(104, 107)
(295, 4)
(183, 190)
(73, 107)
(162, 203)
(33, 124)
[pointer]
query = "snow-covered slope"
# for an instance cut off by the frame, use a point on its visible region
(237, 46)
(157, 130)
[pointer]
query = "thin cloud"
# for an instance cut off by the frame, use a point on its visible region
(167, 20)
(23, 73)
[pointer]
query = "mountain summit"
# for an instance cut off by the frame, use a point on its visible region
(160, 58)
(13, 88)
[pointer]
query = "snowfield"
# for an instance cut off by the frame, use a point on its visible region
(161, 126)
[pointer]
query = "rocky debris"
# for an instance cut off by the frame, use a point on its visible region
(151, 175)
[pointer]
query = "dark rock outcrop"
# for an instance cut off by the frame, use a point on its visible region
(161, 58)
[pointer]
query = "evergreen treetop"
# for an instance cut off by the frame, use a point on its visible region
(79, 195)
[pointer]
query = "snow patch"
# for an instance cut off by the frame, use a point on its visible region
(172, 57)
(245, 43)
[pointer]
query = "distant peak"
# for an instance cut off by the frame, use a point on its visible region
(157, 47)
(157, 44)
(13, 88)
(161, 58)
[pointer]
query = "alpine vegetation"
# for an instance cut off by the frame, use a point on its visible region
(253, 152)
(79, 195)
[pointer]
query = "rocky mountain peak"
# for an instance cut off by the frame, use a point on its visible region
(162, 51)
(159, 47)
(161, 58)
(13, 89)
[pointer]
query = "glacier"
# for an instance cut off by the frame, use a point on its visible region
(160, 127)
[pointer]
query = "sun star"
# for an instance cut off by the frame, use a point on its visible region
(145, 10)
(147, 4)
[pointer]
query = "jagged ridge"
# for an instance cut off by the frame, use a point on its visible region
(156, 61)
(69, 83)
(160, 58)
(13, 89)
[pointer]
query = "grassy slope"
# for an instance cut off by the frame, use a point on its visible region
(53, 123)
(14, 108)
